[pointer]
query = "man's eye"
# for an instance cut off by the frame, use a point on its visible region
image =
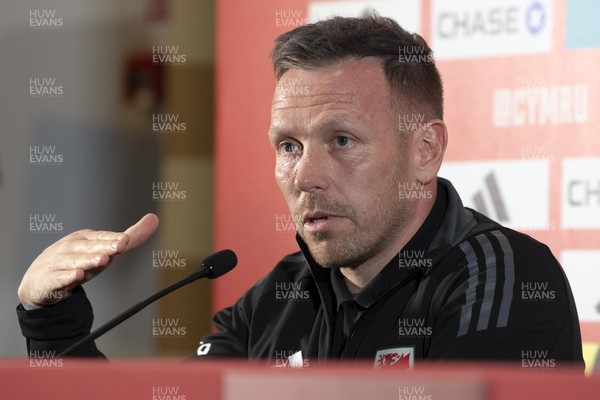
(288, 147)
(342, 141)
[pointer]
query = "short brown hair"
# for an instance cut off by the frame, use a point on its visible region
(416, 85)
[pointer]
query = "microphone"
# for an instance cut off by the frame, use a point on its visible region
(212, 267)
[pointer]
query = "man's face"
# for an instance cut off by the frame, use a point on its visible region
(339, 160)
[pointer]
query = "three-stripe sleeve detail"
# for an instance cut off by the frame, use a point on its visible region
(509, 279)
(490, 285)
(470, 295)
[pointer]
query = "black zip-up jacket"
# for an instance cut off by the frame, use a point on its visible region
(479, 291)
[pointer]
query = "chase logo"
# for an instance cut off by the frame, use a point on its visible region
(535, 18)
(472, 28)
(583, 29)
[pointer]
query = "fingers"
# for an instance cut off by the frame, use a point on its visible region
(141, 231)
(105, 242)
(87, 249)
(108, 242)
(94, 246)
(83, 262)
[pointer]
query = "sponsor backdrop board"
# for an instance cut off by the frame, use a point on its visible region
(521, 87)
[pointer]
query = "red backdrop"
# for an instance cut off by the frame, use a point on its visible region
(493, 109)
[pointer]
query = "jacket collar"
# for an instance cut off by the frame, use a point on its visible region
(458, 221)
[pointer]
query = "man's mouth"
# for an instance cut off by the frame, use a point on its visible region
(319, 221)
(314, 217)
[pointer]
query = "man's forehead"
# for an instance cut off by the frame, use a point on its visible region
(341, 82)
(334, 72)
(283, 101)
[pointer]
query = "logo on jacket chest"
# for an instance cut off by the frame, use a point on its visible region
(397, 358)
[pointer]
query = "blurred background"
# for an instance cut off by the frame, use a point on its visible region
(114, 109)
(107, 114)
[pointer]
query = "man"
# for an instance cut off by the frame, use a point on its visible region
(392, 267)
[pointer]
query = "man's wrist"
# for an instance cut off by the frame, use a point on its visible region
(31, 307)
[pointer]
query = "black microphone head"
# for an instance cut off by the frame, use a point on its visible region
(220, 263)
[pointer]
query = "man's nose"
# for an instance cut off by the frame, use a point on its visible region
(312, 170)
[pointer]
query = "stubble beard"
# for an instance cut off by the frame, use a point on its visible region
(369, 236)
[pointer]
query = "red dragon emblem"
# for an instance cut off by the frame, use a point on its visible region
(394, 360)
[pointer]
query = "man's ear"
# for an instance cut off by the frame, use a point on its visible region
(431, 146)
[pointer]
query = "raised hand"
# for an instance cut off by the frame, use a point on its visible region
(77, 258)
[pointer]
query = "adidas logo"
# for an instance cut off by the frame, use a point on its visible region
(491, 195)
(515, 193)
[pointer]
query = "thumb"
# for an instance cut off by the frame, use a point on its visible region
(141, 231)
